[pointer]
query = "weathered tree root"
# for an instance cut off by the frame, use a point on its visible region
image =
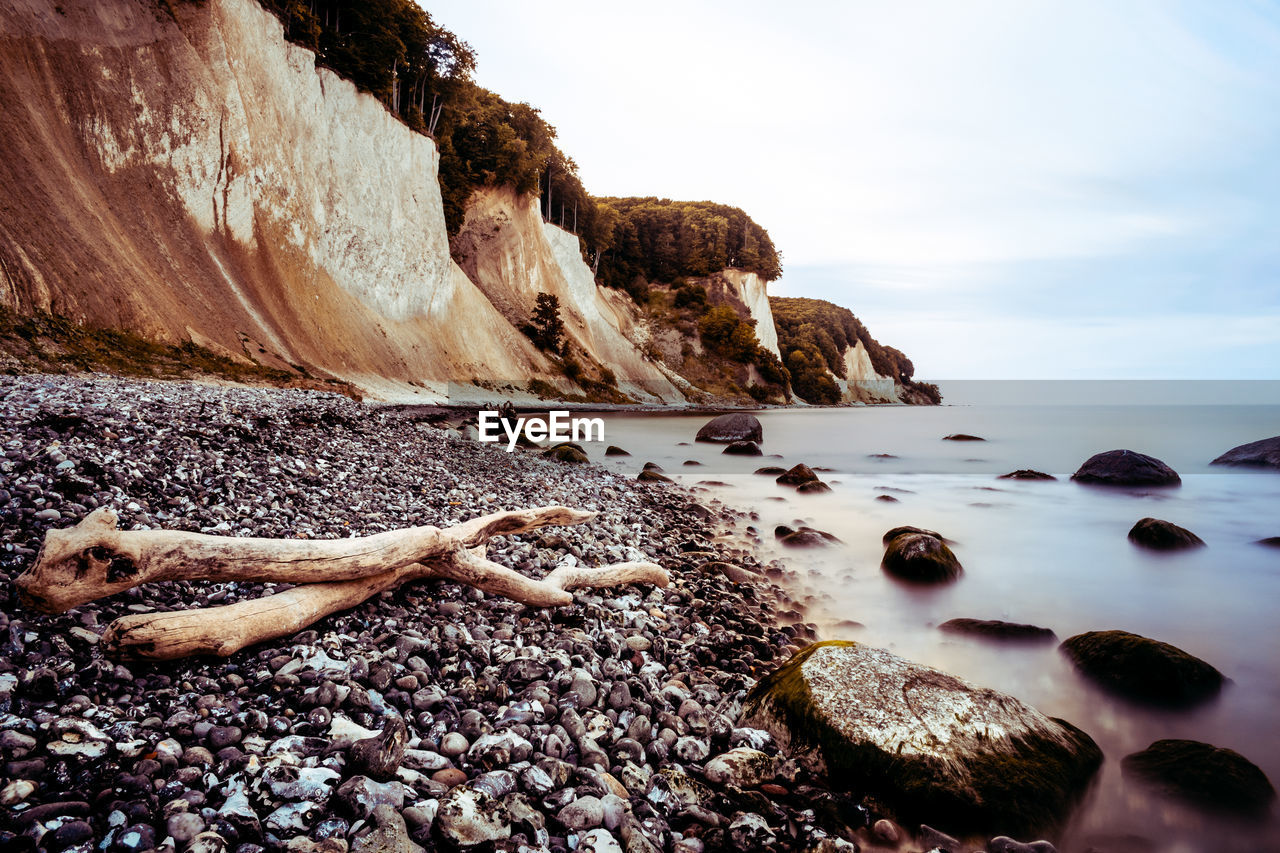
(95, 559)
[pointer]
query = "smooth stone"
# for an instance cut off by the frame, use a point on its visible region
(919, 557)
(770, 471)
(1143, 669)
(797, 475)
(962, 436)
(742, 767)
(567, 453)
(184, 827)
(1160, 535)
(1256, 454)
(1026, 474)
(925, 743)
(1125, 468)
(817, 487)
(583, 813)
(614, 450)
(743, 448)
(733, 426)
(653, 477)
(1210, 777)
(996, 629)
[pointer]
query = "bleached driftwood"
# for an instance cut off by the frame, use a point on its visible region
(96, 559)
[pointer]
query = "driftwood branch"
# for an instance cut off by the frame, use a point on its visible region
(95, 559)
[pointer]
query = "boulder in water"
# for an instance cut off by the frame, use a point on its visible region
(805, 537)
(1026, 474)
(649, 476)
(743, 448)
(927, 744)
(1255, 454)
(734, 426)
(996, 629)
(571, 453)
(615, 450)
(919, 556)
(798, 475)
(770, 470)
(815, 487)
(1143, 669)
(1125, 468)
(962, 436)
(1160, 535)
(1208, 776)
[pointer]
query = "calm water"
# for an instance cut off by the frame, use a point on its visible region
(1051, 553)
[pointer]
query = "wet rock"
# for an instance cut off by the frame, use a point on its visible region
(184, 827)
(770, 471)
(734, 426)
(1255, 454)
(886, 832)
(919, 556)
(926, 743)
(996, 629)
(600, 841)
(567, 453)
(1210, 777)
(653, 477)
(1026, 474)
(962, 436)
(360, 795)
(932, 839)
(750, 831)
(614, 450)
(379, 757)
(582, 813)
(805, 537)
(74, 737)
(1270, 542)
(1005, 844)
(817, 487)
(1160, 535)
(797, 475)
(1125, 468)
(468, 817)
(743, 448)
(1143, 669)
(289, 782)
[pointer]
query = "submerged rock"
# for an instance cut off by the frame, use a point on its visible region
(1143, 669)
(734, 426)
(926, 743)
(997, 630)
(805, 537)
(919, 556)
(1255, 454)
(1026, 474)
(614, 450)
(798, 475)
(770, 471)
(817, 487)
(743, 448)
(1160, 535)
(1125, 468)
(1208, 776)
(648, 476)
(962, 436)
(1270, 542)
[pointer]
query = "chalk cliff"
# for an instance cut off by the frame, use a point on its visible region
(183, 171)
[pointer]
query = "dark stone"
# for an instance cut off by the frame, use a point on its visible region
(653, 477)
(1256, 454)
(919, 556)
(614, 450)
(805, 537)
(816, 487)
(743, 448)
(797, 475)
(734, 426)
(653, 466)
(1026, 474)
(1270, 542)
(771, 470)
(71, 833)
(962, 436)
(1160, 535)
(737, 574)
(888, 499)
(1143, 669)
(997, 630)
(379, 757)
(1126, 468)
(1211, 777)
(572, 454)
(895, 532)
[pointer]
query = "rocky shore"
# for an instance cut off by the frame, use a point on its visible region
(432, 716)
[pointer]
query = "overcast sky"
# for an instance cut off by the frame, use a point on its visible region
(1082, 189)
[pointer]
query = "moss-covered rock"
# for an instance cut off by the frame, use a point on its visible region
(1143, 669)
(1160, 535)
(919, 556)
(924, 743)
(1208, 776)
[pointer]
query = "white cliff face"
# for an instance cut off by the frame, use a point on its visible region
(512, 256)
(750, 291)
(861, 382)
(198, 177)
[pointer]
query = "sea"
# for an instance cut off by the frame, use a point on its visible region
(1050, 553)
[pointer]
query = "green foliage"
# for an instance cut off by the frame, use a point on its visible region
(809, 376)
(660, 240)
(545, 328)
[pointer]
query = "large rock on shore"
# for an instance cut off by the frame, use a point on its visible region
(1160, 535)
(1255, 454)
(734, 426)
(925, 743)
(919, 556)
(1143, 669)
(1208, 776)
(1126, 468)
